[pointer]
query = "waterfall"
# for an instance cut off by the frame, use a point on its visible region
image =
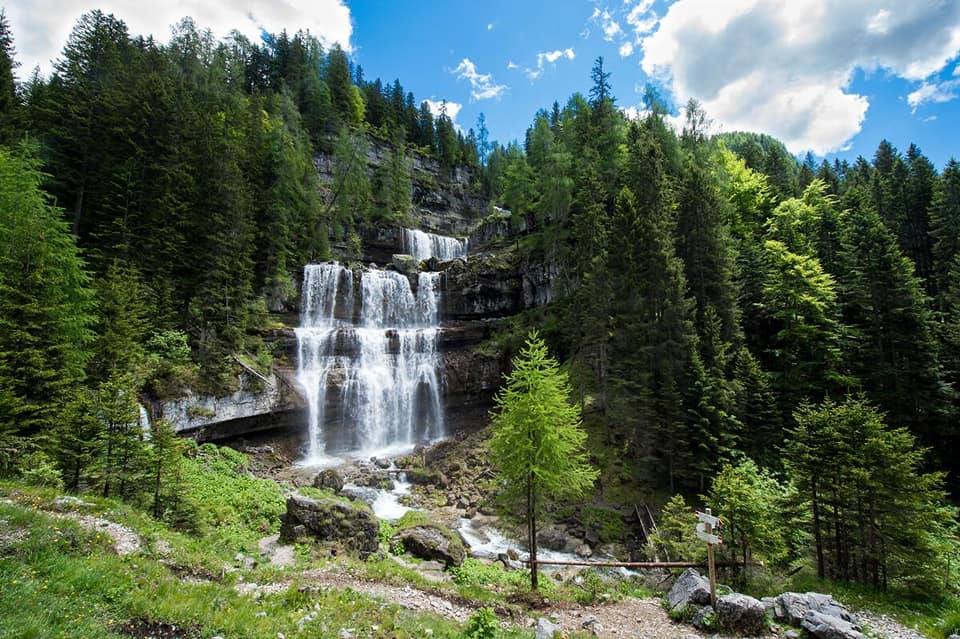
(423, 245)
(378, 360)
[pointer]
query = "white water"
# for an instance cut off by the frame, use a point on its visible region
(423, 246)
(382, 358)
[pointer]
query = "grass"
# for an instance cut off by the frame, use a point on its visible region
(59, 580)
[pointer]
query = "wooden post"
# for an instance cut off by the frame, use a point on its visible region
(712, 567)
(707, 529)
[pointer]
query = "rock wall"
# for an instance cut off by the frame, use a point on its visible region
(258, 405)
(443, 204)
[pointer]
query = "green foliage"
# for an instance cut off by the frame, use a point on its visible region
(749, 501)
(482, 624)
(674, 538)
(607, 522)
(220, 498)
(874, 516)
(46, 305)
(538, 440)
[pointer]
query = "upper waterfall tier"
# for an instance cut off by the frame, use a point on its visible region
(377, 360)
(423, 245)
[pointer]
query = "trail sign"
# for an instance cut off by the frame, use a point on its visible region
(706, 526)
(707, 518)
(706, 536)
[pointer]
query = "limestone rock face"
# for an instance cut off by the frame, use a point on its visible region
(792, 607)
(432, 542)
(742, 614)
(824, 626)
(689, 589)
(346, 523)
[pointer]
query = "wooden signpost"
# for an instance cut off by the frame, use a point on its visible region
(707, 528)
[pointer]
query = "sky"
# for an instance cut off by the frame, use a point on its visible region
(830, 76)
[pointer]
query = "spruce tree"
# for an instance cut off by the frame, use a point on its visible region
(10, 108)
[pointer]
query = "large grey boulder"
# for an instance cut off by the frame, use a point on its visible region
(346, 523)
(689, 589)
(552, 538)
(432, 542)
(742, 614)
(824, 626)
(546, 629)
(792, 607)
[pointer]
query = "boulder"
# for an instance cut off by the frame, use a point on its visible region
(405, 264)
(552, 538)
(349, 524)
(824, 626)
(432, 542)
(742, 614)
(546, 629)
(329, 479)
(689, 589)
(584, 551)
(792, 607)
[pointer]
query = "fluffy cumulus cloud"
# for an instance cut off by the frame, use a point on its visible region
(439, 106)
(544, 58)
(41, 27)
(482, 85)
(785, 67)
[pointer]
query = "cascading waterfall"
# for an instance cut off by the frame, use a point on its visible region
(381, 359)
(423, 245)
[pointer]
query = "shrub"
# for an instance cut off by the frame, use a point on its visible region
(482, 624)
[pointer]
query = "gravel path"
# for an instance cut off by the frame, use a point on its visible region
(125, 541)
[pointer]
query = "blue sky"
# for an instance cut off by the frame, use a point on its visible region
(834, 76)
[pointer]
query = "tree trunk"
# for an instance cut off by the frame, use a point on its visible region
(532, 521)
(818, 539)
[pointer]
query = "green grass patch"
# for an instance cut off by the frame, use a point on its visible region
(59, 580)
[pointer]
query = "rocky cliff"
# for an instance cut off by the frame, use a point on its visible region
(490, 286)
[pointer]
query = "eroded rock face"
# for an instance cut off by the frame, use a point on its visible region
(689, 589)
(824, 626)
(792, 607)
(432, 542)
(349, 524)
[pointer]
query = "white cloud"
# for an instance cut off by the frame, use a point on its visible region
(436, 108)
(489, 26)
(933, 92)
(41, 27)
(626, 49)
(785, 68)
(608, 24)
(483, 85)
(544, 58)
(642, 19)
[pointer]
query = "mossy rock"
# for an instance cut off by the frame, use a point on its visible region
(347, 523)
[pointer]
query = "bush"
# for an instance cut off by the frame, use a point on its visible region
(39, 470)
(483, 624)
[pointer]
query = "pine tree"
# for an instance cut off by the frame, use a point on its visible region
(945, 226)
(873, 512)
(9, 99)
(895, 355)
(46, 304)
(538, 442)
